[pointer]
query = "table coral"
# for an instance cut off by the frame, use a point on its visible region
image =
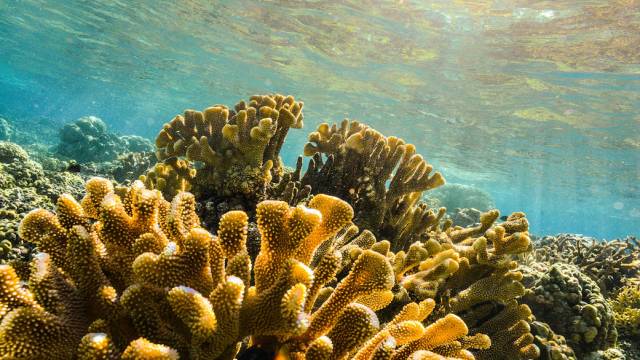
(126, 273)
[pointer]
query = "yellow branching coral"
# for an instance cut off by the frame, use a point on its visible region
(139, 278)
(170, 177)
(471, 271)
(126, 274)
(382, 177)
(239, 148)
(626, 309)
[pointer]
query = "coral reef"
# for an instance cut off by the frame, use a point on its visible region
(626, 309)
(455, 196)
(125, 273)
(343, 260)
(608, 263)
(24, 186)
(87, 140)
(572, 304)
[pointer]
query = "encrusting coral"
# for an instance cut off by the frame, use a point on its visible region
(126, 273)
(238, 148)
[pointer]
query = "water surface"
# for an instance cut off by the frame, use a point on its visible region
(537, 102)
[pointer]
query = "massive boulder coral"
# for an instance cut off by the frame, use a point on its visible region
(609, 263)
(238, 148)
(572, 304)
(454, 196)
(126, 273)
(552, 346)
(88, 140)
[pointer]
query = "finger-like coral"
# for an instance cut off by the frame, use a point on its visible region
(238, 148)
(469, 271)
(131, 275)
(170, 177)
(382, 177)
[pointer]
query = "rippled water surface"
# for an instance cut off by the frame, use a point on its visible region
(537, 102)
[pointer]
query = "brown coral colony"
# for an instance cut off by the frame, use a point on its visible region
(351, 263)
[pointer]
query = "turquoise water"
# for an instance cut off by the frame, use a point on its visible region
(537, 103)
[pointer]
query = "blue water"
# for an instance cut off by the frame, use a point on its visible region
(537, 103)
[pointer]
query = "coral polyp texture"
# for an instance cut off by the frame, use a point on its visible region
(572, 304)
(238, 148)
(381, 177)
(125, 273)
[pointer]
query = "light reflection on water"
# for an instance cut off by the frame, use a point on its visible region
(536, 102)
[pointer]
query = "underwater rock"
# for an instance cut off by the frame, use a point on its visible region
(626, 307)
(465, 217)
(87, 140)
(454, 196)
(572, 304)
(609, 263)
